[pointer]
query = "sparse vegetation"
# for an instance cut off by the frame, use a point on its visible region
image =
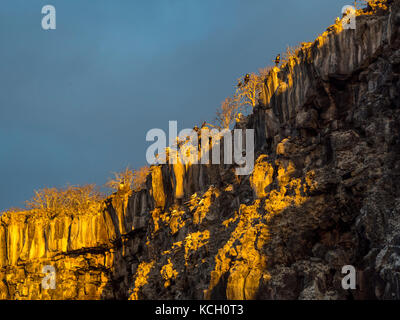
(373, 5)
(128, 180)
(264, 72)
(121, 181)
(72, 200)
(377, 5)
(291, 51)
(227, 114)
(247, 93)
(68, 200)
(13, 210)
(139, 178)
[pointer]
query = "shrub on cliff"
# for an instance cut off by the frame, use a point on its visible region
(128, 180)
(373, 5)
(247, 92)
(68, 200)
(291, 52)
(264, 72)
(227, 114)
(139, 178)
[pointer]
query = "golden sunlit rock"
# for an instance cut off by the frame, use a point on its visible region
(158, 186)
(168, 273)
(141, 278)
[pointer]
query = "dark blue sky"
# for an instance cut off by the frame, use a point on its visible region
(76, 102)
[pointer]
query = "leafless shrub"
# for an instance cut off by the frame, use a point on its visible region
(68, 200)
(247, 93)
(373, 5)
(291, 51)
(121, 181)
(264, 72)
(139, 178)
(128, 180)
(227, 113)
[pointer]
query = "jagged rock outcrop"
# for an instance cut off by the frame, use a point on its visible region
(323, 194)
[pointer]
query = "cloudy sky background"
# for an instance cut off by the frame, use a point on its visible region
(76, 103)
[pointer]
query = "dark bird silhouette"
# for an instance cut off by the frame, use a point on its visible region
(277, 59)
(246, 79)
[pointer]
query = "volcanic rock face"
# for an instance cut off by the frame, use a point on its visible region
(323, 194)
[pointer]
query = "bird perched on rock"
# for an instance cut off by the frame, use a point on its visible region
(246, 79)
(277, 59)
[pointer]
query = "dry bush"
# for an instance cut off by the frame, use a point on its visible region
(264, 72)
(227, 114)
(68, 200)
(247, 94)
(291, 51)
(139, 178)
(121, 181)
(128, 180)
(13, 211)
(374, 5)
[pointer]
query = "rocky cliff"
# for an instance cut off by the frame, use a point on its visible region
(323, 194)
